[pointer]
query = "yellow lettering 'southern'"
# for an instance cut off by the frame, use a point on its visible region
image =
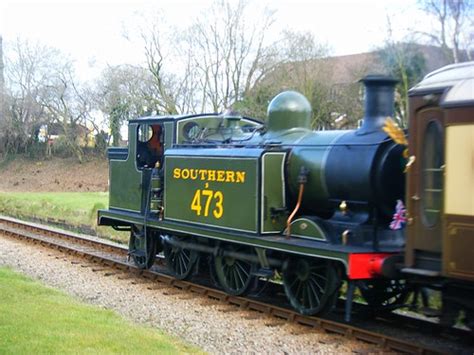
(185, 174)
(209, 175)
(240, 177)
(229, 176)
(220, 175)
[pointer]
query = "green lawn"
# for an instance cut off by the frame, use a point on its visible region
(38, 320)
(74, 208)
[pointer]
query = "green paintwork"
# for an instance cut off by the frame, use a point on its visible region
(310, 152)
(125, 180)
(169, 132)
(274, 196)
(312, 158)
(293, 245)
(306, 228)
(246, 207)
(238, 199)
(287, 110)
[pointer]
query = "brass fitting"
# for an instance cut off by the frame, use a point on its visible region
(343, 207)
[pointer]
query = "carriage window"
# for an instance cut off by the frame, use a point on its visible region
(433, 161)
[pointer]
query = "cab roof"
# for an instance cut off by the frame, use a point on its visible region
(168, 118)
(175, 118)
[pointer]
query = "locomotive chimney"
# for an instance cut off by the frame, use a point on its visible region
(379, 98)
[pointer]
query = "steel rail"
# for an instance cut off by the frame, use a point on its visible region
(28, 231)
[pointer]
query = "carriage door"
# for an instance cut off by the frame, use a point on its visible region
(427, 200)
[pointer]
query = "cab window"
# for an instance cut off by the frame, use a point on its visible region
(149, 145)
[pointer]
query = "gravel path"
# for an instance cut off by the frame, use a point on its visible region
(212, 327)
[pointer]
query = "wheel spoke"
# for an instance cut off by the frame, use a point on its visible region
(239, 265)
(310, 284)
(235, 278)
(180, 261)
(302, 297)
(324, 278)
(234, 275)
(310, 296)
(174, 260)
(316, 283)
(293, 283)
(315, 293)
(241, 279)
(185, 256)
(298, 290)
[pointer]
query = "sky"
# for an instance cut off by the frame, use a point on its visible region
(92, 31)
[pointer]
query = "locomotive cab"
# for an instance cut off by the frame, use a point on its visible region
(130, 167)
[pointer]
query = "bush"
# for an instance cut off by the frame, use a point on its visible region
(63, 148)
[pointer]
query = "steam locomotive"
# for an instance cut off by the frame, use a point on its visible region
(315, 208)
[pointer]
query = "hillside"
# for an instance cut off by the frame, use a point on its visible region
(54, 175)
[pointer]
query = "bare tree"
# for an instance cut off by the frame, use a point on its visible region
(171, 78)
(298, 65)
(28, 73)
(164, 96)
(2, 82)
(306, 71)
(455, 19)
(41, 90)
(406, 63)
(124, 92)
(68, 105)
(229, 51)
(208, 65)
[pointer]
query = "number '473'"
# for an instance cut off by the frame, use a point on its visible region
(203, 200)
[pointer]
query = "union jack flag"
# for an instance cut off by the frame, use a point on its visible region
(400, 217)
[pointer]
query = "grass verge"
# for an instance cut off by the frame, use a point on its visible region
(73, 208)
(35, 319)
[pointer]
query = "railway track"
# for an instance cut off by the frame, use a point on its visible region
(110, 255)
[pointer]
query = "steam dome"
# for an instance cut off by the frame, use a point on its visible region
(289, 109)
